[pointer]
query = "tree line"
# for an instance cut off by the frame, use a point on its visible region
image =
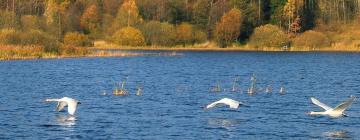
(171, 22)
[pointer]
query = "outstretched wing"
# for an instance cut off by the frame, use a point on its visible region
(60, 105)
(230, 102)
(318, 103)
(341, 107)
(217, 103)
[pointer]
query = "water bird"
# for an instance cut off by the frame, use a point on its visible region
(252, 88)
(235, 84)
(122, 91)
(65, 101)
(216, 88)
(104, 93)
(230, 102)
(282, 90)
(336, 112)
(268, 89)
(138, 92)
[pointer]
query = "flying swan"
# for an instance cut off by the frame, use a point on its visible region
(336, 112)
(230, 102)
(65, 101)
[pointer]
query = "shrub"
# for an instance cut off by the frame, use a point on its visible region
(9, 36)
(8, 20)
(157, 33)
(312, 39)
(184, 33)
(33, 37)
(199, 36)
(72, 50)
(77, 39)
(228, 29)
(268, 36)
(29, 22)
(129, 36)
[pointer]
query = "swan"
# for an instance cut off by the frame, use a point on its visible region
(336, 112)
(65, 101)
(230, 102)
(138, 92)
(282, 90)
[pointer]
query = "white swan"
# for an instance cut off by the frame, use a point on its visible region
(336, 112)
(65, 101)
(230, 102)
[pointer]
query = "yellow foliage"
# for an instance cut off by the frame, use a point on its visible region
(77, 40)
(129, 36)
(29, 22)
(268, 36)
(157, 33)
(9, 36)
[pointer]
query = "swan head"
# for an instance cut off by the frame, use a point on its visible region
(344, 115)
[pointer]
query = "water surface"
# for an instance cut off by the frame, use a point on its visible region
(174, 91)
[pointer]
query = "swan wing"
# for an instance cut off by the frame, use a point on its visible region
(232, 103)
(341, 107)
(60, 105)
(318, 103)
(214, 104)
(72, 104)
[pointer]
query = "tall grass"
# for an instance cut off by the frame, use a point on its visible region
(21, 52)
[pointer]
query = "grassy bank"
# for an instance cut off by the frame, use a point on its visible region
(105, 49)
(16, 52)
(102, 45)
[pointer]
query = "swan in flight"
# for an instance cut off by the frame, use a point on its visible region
(230, 102)
(65, 101)
(336, 112)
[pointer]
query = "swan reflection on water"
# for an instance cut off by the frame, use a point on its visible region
(337, 134)
(223, 122)
(66, 120)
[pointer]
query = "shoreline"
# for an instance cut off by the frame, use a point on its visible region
(102, 52)
(232, 49)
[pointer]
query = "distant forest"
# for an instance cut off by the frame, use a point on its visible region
(259, 23)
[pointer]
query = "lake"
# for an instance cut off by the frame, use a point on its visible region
(175, 90)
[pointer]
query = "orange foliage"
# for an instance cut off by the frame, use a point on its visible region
(90, 20)
(184, 33)
(228, 29)
(76, 39)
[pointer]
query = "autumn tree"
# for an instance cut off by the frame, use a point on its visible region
(228, 29)
(159, 34)
(129, 36)
(128, 15)
(90, 20)
(56, 20)
(184, 33)
(268, 36)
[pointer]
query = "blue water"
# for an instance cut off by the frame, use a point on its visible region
(174, 91)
